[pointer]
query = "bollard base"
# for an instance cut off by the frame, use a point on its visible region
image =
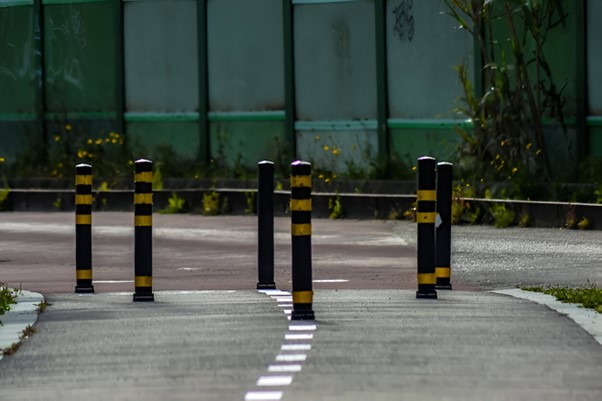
(443, 286)
(144, 297)
(303, 315)
(426, 295)
(84, 289)
(266, 286)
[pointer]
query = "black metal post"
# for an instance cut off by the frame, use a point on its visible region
(265, 225)
(83, 229)
(300, 207)
(426, 212)
(443, 239)
(143, 230)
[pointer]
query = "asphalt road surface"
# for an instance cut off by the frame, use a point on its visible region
(210, 336)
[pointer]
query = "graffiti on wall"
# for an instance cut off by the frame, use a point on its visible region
(403, 28)
(16, 64)
(67, 37)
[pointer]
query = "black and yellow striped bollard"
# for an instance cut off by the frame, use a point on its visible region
(83, 229)
(300, 207)
(443, 239)
(143, 230)
(426, 214)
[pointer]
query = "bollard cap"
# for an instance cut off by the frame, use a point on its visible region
(264, 162)
(83, 169)
(299, 167)
(141, 165)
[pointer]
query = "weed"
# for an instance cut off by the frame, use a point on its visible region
(58, 203)
(250, 198)
(157, 179)
(176, 204)
(8, 297)
(503, 216)
(335, 208)
(211, 203)
(584, 224)
(524, 220)
(42, 306)
(4, 193)
(25, 334)
(590, 297)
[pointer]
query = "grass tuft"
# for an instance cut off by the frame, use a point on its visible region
(590, 297)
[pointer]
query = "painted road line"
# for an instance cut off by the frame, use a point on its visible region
(263, 395)
(589, 320)
(296, 337)
(302, 327)
(291, 354)
(336, 280)
(274, 381)
(287, 368)
(291, 357)
(113, 281)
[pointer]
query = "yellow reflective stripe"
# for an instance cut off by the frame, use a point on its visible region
(83, 274)
(300, 205)
(426, 217)
(426, 195)
(143, 281)
(427, 278)
(83, 199)
(146, 176)
(303, 297)
(300, 180)
(83, 219)
(83, 180)
(143, 221)
(143, 199)
(300, 229)
(443, 272)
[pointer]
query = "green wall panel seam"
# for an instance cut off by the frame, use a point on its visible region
(16, 3)
(444, 124)
(594, 121)
(54, 2)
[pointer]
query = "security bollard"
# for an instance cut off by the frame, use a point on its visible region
(265, 225)
(300, 207)
(443, 239)
(426, 212)
(83, 229)
(143, 231)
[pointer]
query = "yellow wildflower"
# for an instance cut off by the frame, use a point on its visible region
(514, 170)
(529, 146)
(57, 138)
(90, 141)
(98, 141)
(326, 148)
(68, 127)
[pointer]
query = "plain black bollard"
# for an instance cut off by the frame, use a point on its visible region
(443, 239)
(143, 230)
(300, 207)
(265, 225)
(83, 229)
(426, 212)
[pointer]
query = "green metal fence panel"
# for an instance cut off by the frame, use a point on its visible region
(335, 68)
(161, 60)
(423, 46)
(18, 79)
(80, 57)
(245, 55)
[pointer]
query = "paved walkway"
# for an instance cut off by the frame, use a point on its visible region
(366, 343)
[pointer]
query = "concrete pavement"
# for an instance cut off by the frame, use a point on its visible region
(372, 339)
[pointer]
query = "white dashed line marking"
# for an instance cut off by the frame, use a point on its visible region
(291, 358)
(303, 336)
(263, 395)
(288, 368)
(291, 354)
(275, 381)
